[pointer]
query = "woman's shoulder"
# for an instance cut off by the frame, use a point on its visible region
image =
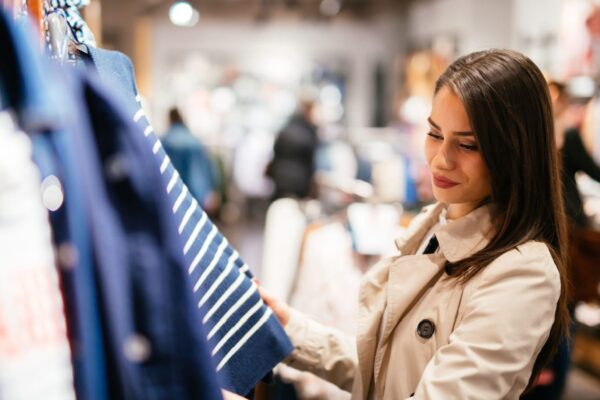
(529, 260)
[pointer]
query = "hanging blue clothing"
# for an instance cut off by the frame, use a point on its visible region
(160, 349)
(246, 339)
(42, 111)
(126, 254)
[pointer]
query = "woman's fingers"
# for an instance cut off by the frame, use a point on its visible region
(280, 309)
(231, 396)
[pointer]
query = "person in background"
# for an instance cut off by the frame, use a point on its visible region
(473, 306)
(575, 157)
(292, 167)
(191, 159)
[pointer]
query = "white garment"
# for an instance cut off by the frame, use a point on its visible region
(284, 228)
(328, 280)
(252, 156)
(374, 227)
(326, 289)
(35, 360)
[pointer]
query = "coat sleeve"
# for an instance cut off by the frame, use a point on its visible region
(324, 351)
(506, 321)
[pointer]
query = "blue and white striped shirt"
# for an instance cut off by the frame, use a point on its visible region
(246, 339)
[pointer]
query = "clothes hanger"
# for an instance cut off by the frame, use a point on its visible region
(59, 36)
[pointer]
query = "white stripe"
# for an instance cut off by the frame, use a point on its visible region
(223, 298)
(244, 339)
(187, 215)
(233, 330)
(138, 98)
(156, 146)
(217, 282)
(213, 262)
(173, 181)
(180, 199)
(244, 268)
(232, 310)
(165, 164)
(148, 130)
(138, 115)
(207, 242)
(194, 234)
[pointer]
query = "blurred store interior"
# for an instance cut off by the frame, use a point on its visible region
(358, 76)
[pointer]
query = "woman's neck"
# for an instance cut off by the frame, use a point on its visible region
(456, 211)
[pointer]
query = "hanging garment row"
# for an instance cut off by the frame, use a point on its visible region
(156, 300)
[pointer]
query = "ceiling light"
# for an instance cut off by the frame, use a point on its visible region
(330, 8)
(182, 13)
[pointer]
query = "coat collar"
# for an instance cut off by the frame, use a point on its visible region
(458, 239)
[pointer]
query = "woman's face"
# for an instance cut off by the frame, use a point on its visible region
(459, 175)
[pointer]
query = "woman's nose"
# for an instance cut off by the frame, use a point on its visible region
(444, 159)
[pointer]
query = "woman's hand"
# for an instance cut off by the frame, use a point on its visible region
(231, 396)
(280, 308)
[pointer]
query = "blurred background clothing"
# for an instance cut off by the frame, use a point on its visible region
(195, 165)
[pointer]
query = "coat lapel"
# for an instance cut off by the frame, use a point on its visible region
(409, 242)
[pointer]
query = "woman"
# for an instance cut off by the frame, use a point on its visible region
(474, 304)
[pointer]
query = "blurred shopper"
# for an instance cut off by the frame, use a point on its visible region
(574, 156)
(292, 168)
(193, 162)
(474, 305)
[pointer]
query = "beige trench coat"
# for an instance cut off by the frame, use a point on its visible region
(487, 332)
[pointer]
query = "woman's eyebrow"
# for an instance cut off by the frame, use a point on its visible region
(436, 126)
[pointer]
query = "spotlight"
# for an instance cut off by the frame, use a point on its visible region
(330, 8)
(182, 13)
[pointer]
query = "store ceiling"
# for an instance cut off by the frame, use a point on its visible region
(119, 16)
(257, 9)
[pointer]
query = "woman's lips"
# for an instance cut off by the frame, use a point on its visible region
(443, 182)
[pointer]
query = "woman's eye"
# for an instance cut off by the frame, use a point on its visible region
(469, 146)
(435, 136)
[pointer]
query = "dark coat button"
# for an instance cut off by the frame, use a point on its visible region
(425, 329)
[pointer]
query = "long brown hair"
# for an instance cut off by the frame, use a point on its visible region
(508, 104)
